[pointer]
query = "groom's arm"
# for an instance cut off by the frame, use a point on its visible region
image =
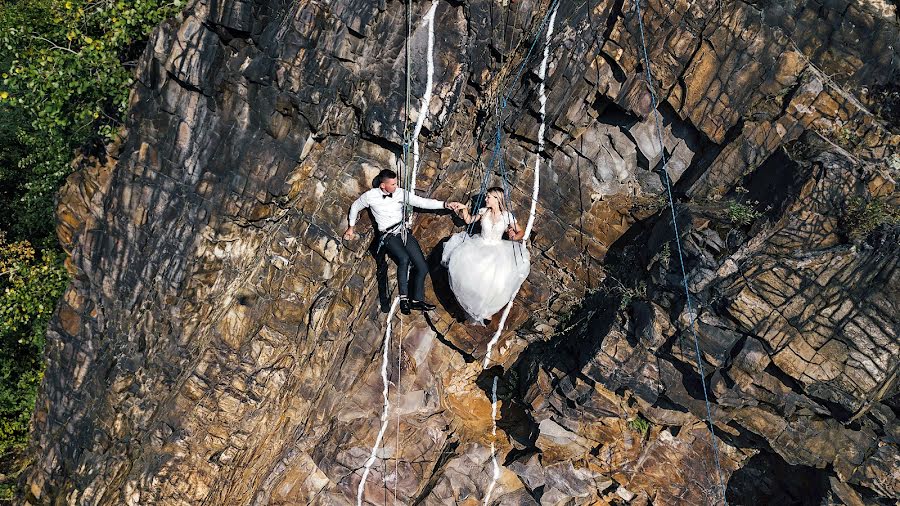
(423, 203)
(357, 206)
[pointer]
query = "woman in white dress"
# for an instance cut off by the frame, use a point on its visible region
(486, 270)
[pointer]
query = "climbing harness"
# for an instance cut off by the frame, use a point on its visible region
(391, 230)
(687, 293)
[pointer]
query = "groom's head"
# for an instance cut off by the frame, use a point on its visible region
(387, 180)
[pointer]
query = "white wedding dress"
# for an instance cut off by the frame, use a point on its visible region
(485, 270)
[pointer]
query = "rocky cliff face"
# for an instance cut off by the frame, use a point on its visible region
(220, 344)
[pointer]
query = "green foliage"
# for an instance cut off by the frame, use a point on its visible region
(665, 256)
(66, 73)
(625, 292)
(7, 492)
(639, 425)
(29, 287)
(864, 215)
(846, 137)
(67, 69)
(741, 213)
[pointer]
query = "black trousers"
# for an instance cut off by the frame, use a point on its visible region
(409, 260)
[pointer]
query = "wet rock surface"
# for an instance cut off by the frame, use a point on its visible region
(221, 344)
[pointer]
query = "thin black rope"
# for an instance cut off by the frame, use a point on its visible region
(687, 293)
(504, 101)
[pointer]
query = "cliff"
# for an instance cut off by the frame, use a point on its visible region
(220, 343)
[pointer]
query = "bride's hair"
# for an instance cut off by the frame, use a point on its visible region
(501, 196)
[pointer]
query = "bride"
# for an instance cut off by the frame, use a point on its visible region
(485, 270)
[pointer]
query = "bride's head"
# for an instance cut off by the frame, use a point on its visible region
(495, 199)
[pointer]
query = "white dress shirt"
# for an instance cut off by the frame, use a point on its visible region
(388, 210)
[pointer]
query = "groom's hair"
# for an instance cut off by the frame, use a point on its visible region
(385, 174)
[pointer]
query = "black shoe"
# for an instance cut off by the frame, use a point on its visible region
(404, 306)
(385, 306)
(421, 305)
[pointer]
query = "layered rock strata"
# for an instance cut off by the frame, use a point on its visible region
(220, 343)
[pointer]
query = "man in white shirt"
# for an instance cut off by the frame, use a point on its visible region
(386, 204)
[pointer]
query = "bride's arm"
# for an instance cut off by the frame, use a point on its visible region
(514, 232)
(468, 218)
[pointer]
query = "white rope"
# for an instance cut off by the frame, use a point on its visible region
(397, 389)
(542, 73)
(496, 338)
(423, 111)
(496, 476)
(385, 411)
(424, 105)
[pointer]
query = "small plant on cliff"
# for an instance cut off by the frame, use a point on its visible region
(629, 293)
(846, 137)
(639, 425)
(865, 214)
(665, 256)
(621, 281)
(741, 213)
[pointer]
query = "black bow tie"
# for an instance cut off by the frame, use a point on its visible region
(387, 195)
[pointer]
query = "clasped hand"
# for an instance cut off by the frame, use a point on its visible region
(349, 234)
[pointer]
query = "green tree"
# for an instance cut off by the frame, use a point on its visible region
(66, 68)
(30, 284)
(66, 75)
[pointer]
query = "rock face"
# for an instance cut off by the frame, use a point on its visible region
(220, 343)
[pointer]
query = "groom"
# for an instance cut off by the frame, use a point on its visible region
(386, 204)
